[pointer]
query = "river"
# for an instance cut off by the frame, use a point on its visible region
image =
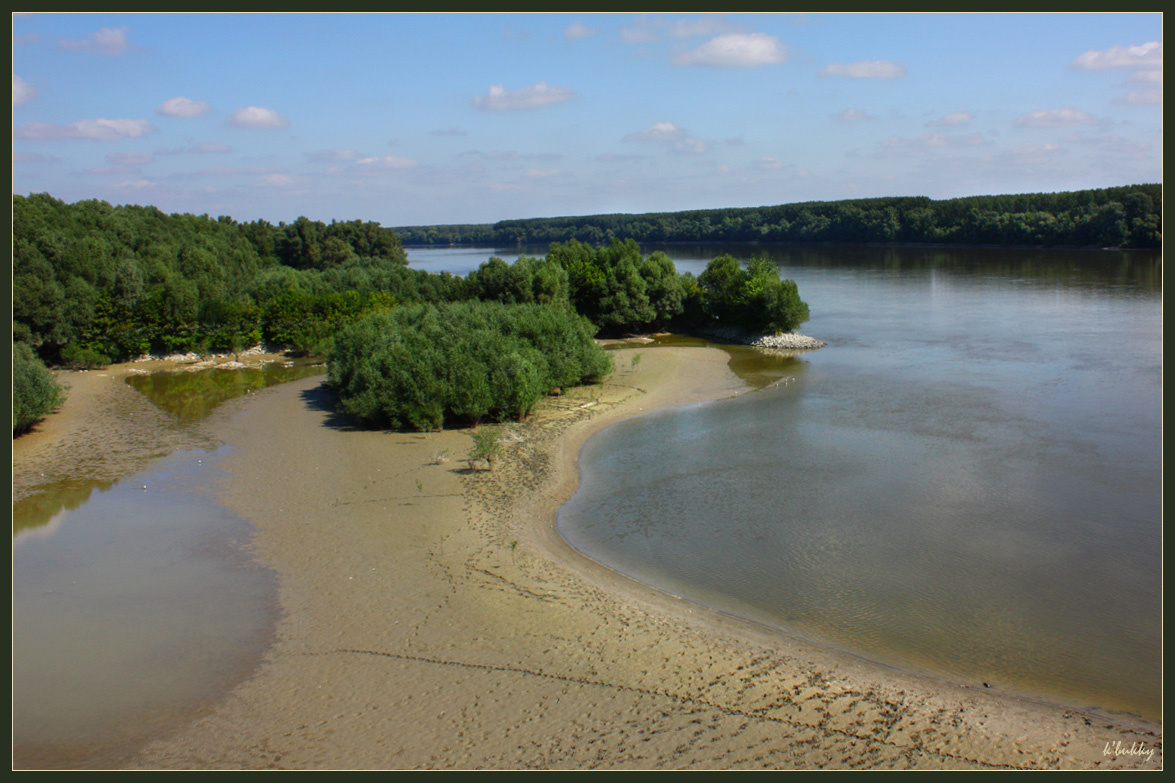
(966, 483)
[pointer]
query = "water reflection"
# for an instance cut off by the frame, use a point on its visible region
(135, 601)
(193, 394)
(128, 611)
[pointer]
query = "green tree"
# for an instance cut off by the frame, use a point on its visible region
(34, 390)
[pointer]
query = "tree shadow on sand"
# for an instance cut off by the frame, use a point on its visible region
(324, 399)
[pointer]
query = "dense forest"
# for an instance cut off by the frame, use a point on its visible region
(1109, 217)
(94, 283)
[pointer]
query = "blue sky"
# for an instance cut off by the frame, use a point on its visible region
(410, 119)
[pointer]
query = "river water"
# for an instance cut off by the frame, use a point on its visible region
(966, 483)
(135, 601)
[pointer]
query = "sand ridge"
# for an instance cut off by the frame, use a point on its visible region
(433, 618)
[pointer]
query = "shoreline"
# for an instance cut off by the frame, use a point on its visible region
(434, 618)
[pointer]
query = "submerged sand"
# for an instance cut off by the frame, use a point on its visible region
(433, 618)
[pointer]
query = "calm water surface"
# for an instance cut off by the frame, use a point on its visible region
(966, 482)
(135, 602)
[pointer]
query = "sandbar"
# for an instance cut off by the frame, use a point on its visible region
(433, 618)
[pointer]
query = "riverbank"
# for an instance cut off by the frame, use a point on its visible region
(433, 618)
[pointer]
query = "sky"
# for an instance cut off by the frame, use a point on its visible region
(414, 119)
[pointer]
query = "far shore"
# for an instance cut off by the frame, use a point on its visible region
(433, 618)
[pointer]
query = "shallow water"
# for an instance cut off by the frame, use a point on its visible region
(128, 612)
(966, 482)
(135, 601)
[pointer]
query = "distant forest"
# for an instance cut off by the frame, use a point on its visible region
(1129, 217)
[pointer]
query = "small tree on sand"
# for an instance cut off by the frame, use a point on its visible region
(485, 447)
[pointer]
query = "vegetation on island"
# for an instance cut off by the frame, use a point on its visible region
(1128, 216)
(95, 283)
(420, 366)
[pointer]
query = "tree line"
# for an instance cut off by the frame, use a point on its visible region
(95, 283)
(1129, 216)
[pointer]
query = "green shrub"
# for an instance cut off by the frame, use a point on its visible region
(418, 366)
(754, 298)
(79, 357)
(486, 446)
(34, 390)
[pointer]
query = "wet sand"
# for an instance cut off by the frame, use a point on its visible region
(433, 618)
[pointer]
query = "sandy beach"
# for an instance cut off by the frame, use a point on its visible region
(432, 617)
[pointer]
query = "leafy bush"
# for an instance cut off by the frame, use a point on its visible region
(79, 357)
(419, 365)
(34, 390)
(754, 298)
(486, 446)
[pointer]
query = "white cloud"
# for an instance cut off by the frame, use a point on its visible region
(257, 117)
(135, 184)
(22, 93)
(927, 143)
(670, 136)
(1111, 145)
(577, 31)
(1141, 98)
(951, 119)
(100, 130)
(334, 156)
(737, 50)
(129, 158)
(1145, 77)
(1055, 118)
(182, 107)
(278, 180)
(237, 171)
(385, 162)
(852, 115)
(109, 41)
(197, 149)
(647, 29)
(1147, 55)
(866, 69)
(530, 97)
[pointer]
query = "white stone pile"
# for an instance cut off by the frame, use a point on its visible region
(787, 341)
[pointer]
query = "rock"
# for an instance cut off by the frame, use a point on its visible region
(786, 344)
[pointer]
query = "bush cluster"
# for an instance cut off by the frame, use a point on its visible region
(418, 366)
(34, 390)
(753, 297)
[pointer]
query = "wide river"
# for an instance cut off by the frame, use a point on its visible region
(966, 482)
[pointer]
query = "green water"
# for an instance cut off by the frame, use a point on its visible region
(190, 395)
